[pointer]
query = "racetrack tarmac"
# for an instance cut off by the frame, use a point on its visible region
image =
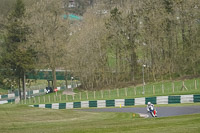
(162, 111)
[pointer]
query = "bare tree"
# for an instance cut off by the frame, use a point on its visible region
(50, 34)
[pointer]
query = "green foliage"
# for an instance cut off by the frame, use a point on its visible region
(17, 57)
(168, 5)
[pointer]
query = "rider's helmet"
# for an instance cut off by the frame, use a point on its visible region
(149, 103)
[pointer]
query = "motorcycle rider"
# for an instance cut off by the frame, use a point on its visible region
(149, 105)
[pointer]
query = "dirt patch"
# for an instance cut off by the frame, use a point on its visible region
(68, 92)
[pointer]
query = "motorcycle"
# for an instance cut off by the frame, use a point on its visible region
(153, 111)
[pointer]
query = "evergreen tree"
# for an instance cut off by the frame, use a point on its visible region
(17, 57)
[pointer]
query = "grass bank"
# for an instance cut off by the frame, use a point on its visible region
(21, 118)
(151, 90)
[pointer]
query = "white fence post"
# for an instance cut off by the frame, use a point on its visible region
(101, 93)
(163, 91)
(135, 90)
(54, 98)
(125, 91)
(66, 97)
(44, 99)
(94, 95)
(87, 94)
(117, 92)
(80, 95)
(39, 99)
(195, 84)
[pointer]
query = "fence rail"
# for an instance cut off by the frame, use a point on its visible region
(152, 90)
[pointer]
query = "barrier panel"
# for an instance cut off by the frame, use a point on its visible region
(55, 105)
(174, 99)
(84, 104)
(196, 98)
(110, 103)
(187, 99)
(101, 103)
(48, 106)
(42, 106)
(3, 102)
(119, 102)
(4, 96)
(92, 103)
(77, 105)
(150, 99)
(35, 105)
(69, 105)
(42, 90)
(129, 102)
(35, 91)
(140, 101)
(162, 100)
(11, 95)
(62, 105)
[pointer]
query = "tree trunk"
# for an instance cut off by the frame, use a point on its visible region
(20, 95)
(133, 65)
(54, 77)
(24, 86)
(66, 83)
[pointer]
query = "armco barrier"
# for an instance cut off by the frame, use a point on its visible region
(129, 102)
(55, 106)
(187, 99)
(84, 104)
(162, 100)
(3, 102)
(140, 101)
(119, 102)
(123, 102)
(92, 103)
(69, 105)
(196, 98)
(150, 99)
(101, 103)
(28, 93)
(7, 101)
(11, 97)
(110, 103)
(174, 99)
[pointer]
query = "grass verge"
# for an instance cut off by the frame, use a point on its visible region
(21, 118)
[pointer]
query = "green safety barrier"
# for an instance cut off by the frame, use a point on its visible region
(36, 105)
(62, 105)
(4, 96)
(196, 98)
(151, 99)
(110, 103)
(129, 102)
(48, 105)
(77, 105)
(174, 99)
(92, 103)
